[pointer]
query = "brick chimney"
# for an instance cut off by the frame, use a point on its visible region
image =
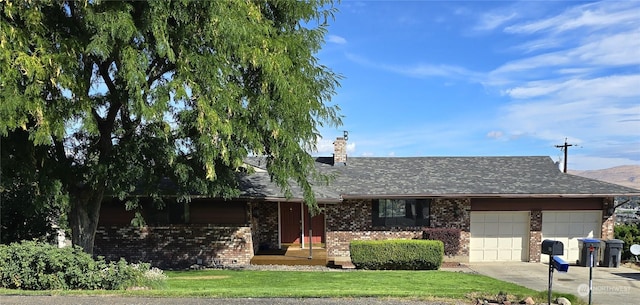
(340, 151)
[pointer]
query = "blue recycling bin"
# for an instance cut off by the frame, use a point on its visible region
(584, 244)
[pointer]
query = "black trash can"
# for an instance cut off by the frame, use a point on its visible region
(612, 254)
(584, 244)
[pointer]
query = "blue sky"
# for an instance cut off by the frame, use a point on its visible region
(481, 78)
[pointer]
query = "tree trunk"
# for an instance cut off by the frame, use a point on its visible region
(83, 217)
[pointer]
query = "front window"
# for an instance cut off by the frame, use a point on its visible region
(401, 212)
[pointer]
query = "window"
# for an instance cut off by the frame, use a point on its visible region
(401, 212)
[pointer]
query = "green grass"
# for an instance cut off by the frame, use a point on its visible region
(257, 284)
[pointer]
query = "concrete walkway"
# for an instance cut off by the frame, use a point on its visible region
(611, 286)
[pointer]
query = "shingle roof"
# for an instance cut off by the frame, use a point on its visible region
(259, 185)
(365, 177)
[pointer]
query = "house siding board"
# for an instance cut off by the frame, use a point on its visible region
(218, 212)
(114, 213)
(176, 246)
(529, 204)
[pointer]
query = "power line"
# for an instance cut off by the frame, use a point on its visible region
(565, 148)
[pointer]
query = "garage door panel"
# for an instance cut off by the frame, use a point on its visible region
(499, 236)
(578, 229)
(569, 226)
(491, 229)
(505, 229)
(508, 243)
(560, 227)
(505, 218)
(477, 218)
(491, 218)
(491, 243)
(476, 243)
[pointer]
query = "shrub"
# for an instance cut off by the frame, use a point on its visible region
(38, 266)
(397, 254)
(449, 236)
(630, 234)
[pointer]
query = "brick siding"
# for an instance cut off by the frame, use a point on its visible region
(608, 219)
(352, 220)
(265, 218)
(176, 246)
(535, 235)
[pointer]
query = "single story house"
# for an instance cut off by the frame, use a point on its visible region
(503, 207)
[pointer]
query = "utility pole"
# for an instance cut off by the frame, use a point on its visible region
(565, 148)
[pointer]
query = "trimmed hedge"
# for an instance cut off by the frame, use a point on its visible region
(397, 254)
(449, 236)
(38, 266)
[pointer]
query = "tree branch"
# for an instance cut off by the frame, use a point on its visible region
(103, 69)
(167, 67)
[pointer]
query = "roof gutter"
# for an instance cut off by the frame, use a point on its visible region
(283, 199)
(474, 195)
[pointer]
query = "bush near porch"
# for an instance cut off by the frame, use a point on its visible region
(450, 237)
(397, 254)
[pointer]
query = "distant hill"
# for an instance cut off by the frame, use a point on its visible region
(626, 175)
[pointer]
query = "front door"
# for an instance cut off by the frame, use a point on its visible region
(291, 220)
(317, 227)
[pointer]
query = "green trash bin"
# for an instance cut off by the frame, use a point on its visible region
(584, 244)
(612, 253)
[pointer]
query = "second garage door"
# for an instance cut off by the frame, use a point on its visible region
(568, 227)
(499, 236)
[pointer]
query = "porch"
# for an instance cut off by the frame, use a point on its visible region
(292, 255)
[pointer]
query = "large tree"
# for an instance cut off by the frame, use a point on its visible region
(126, 94)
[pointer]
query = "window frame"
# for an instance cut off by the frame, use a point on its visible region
(411, 209)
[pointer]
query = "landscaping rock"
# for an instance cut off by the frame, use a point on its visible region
(563, 301)
(528, 301)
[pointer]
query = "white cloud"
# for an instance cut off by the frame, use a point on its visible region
(421, 70)
(592, 15)
(336, 39)
(584, 85)
(539, 45)
(495, 134)
(324, 147)
(351, 147)
(492, 20)
(573, 74)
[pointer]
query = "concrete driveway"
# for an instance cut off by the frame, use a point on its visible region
(611, 286)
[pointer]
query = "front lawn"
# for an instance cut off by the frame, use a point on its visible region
(257, 284)
(439, 284)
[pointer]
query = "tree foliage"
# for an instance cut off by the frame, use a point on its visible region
(630, 234)
(32, 204)
(124, 94)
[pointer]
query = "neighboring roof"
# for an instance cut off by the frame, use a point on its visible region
(364, 177)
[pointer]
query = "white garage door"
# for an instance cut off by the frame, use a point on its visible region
(499, 236)
(568, 227)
